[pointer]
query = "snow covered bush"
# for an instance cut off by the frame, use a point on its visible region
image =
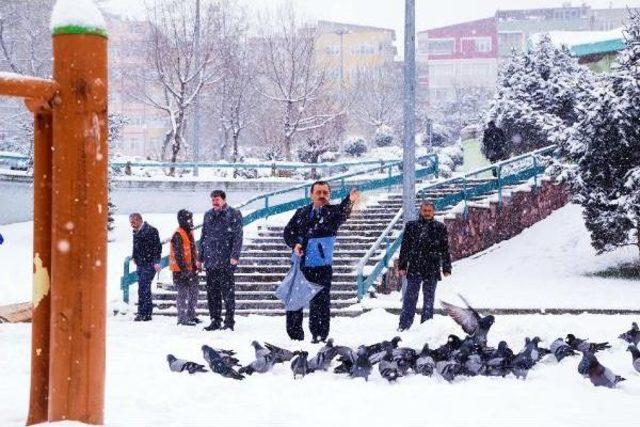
(355, 146)
(383, 136)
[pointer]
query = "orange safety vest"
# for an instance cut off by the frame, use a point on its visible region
(186, 250)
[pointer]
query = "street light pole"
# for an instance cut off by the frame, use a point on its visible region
(196, 101)
(341, 32)
(409, 143)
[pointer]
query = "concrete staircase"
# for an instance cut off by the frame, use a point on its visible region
(265, 260)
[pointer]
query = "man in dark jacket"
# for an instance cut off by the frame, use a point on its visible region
(494, 143)
(147, 251)
(311, 233)
(183, 257)
(424, 251)
(220, 247)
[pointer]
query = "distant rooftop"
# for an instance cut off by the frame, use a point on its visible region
(327, 26)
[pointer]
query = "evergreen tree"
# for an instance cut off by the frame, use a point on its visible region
(116, 123)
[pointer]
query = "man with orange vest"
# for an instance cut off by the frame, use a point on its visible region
(183, 257)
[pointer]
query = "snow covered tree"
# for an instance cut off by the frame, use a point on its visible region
(116, 123)
(538, 96)
(377, 96)
(355, 146)
(467, 107)
(383, 136)
(291, 79)
(604, 144)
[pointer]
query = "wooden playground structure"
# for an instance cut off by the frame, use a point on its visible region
(69, 227)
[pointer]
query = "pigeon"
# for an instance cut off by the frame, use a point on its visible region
(471, 322)
(449, 369)
(499, 361)
(600, 376)
(527, 358)
(584, 345)
(560, 349)
(445, 351)
(474, 365)
(299, 365)
(632, 336)
(322, 360)
(388, 367)
(424, 363)
(263, 363)
(228, 356)
(356, 364)
(405, 358)
(377, 351)
(218, 365)
(180, 365)
(280, 355)
(635, 357)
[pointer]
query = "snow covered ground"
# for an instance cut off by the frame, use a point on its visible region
(141, 391)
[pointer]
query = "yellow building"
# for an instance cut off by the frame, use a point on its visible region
(346, 49)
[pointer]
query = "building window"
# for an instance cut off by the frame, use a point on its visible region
(332, 50)
(509, 41)
(441, 46)
(483, 45)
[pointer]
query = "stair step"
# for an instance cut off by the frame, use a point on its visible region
(242, 295)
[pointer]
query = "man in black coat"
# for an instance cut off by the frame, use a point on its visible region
(423, 253)
(311, 233)
(147, 251)
(494, 143)
(220, 247)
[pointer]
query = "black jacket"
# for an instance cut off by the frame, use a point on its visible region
(147, 249)
(221, 237)
(425, 249)
(303, 227)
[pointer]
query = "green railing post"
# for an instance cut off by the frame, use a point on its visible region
(266, 207)
(124, 281)
(499, 173)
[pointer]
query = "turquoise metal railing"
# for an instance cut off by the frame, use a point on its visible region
(341, 185)
(506, 172)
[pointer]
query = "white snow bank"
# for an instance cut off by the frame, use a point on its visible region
(81, 13)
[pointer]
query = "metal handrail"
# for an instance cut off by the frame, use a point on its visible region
(363, 284)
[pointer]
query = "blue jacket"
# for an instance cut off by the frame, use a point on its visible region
(221, 237)
(317, 232)
(147, 248)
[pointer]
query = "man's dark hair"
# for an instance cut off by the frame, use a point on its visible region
(219, 193)
(320, 183)
(135, 215)
(427, 203)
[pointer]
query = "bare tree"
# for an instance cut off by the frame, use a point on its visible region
(179, 71)
(377, 96)
(291, 79)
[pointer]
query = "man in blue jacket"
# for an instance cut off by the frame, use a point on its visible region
(311, 233)
(147, 251)
(220, 247)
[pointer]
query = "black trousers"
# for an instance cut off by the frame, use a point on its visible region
(319, 308)
(221, 285)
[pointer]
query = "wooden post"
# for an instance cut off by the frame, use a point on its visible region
(79, 237)
(38, 407)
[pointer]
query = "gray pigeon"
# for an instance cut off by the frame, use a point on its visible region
(471, 322)
(527, 358)
(219, 364)
(425, 363)
(600, 376)
(635, 357)
(632, 336)
(377, 351)
(322, 360)
(180, 365)
(299, 365)
(388, 367)
(280, 355)
(356, 364)
(406, 358)
(584, 345)
(263, 363)
(560, 349)
(449, 369)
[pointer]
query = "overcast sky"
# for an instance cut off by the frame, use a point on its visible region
(390, 13)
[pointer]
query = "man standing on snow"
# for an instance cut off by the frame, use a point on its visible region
(220, 247)
(147, 251)
(182, 261)
(311, 233)
(424, 251)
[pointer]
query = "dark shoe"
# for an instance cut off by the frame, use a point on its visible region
(212, 327)
(230, 327)
(187, 323)
(147, 318)
(140, 318)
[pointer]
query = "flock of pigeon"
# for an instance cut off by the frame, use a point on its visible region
(457, 357)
